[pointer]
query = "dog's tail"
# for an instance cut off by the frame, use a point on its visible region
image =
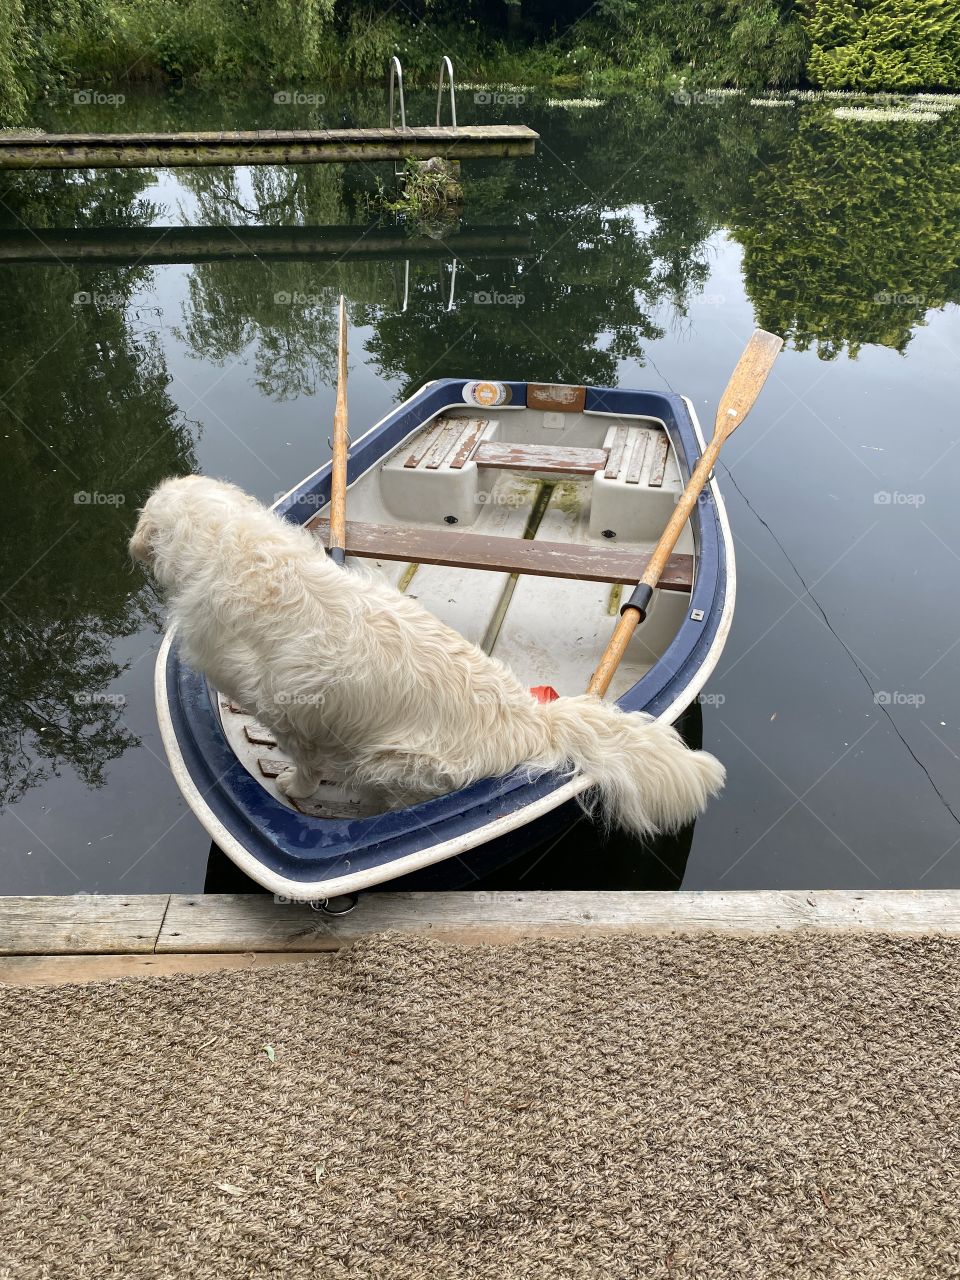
(645, 779)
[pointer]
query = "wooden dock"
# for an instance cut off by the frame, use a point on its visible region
(88, 937)
(154, 246)
(32, 150)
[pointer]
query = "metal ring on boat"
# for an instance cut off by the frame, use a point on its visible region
(351, 900)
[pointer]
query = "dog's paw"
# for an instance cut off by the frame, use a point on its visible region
(294, 785)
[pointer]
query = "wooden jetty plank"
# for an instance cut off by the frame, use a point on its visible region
(321, 146)
(234, 137)
(57, 971)
(43, 940)
(505, 555)
(255, 922)
(79, 923)
(149, 245)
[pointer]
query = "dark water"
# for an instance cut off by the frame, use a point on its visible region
(653, 236)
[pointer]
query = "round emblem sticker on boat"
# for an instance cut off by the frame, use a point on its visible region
(486, 395)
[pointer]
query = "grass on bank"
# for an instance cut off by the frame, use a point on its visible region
(898, 45)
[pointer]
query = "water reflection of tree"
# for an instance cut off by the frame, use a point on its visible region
(590, 288)
(86, 411)
(279, 311)
(851, 232)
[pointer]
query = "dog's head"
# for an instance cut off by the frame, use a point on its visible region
(185, 512)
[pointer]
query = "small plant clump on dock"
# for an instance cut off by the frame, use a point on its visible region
(429, 188)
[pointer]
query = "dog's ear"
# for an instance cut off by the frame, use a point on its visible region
(141, 544)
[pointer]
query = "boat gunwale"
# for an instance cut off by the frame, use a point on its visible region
(232, 813)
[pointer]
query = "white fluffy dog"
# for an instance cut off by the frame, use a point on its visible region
(359, 682)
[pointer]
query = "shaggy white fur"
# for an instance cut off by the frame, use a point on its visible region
(360, 682)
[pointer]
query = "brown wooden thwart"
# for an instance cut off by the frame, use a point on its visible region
(564, 459)
(505, 555)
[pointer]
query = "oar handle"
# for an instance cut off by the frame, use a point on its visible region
(640, 599)
(634, 610)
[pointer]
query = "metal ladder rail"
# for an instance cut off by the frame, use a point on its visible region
(396, 76)
(447, 66)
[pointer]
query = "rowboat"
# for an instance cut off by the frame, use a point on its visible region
(516, 512)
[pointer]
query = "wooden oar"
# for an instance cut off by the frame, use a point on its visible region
(735, 403)
(341, 447)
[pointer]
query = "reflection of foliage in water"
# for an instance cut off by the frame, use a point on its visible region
(589, 289)
(86, 412)
(850, 232)
(279, 310)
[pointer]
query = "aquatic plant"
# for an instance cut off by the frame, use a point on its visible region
(571, 103)
(886, 114)
(429, 190)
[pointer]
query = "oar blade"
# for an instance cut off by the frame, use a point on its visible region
(746, 381)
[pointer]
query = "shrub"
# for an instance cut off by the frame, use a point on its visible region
(884, 44)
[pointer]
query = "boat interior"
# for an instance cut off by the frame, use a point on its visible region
(524, 529)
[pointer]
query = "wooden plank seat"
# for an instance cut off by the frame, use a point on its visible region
(505, 555)
(453, 441)
(629, 450)
(540, 457)
(449, 440)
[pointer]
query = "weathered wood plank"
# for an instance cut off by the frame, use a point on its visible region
(323, 146)
(505, 555)
(530, 457)
(640, 446)
(258, 923)
(615, 460)
(445, 442)
(475, 429)
(658, 466)
(259, 735)
(49, 936)
(424, 443)
(80, 923)
(253, 137)
(56, 971)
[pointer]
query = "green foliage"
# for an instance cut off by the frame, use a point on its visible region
(13, 90)
(430, 190)
(884, 44)
(203, 40)
(43, 42)
(739, 42)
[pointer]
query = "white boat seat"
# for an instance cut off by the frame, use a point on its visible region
(581, 562)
